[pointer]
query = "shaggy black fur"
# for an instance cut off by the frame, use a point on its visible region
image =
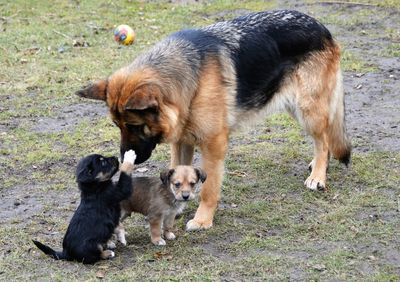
(98, 213)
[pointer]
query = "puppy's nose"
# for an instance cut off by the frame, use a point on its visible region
(185, 195)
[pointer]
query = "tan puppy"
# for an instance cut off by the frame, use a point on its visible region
(160, 199)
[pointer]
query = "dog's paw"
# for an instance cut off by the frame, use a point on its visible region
(169, 235)
(193, 225)
(122, 240)
(111, 245)
(314, 183)
(159, 242)
(107, 254)
(130, 156)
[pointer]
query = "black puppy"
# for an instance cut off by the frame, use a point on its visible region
(98, 214)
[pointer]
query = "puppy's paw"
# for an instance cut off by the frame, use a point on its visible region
(193, 225)
(122, 240)
(169, 235)
(158, 242)
(111, 245)
(107, 254)
(130, 157)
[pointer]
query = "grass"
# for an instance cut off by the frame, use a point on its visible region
(268, 227)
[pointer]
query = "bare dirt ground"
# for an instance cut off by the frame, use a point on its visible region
(373, 120)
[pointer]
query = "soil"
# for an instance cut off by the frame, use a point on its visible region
(372, 115)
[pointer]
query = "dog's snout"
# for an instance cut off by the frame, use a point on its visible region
(185, 195)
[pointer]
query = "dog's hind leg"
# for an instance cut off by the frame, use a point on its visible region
(181, 154)
(319, 165)
(320, 109)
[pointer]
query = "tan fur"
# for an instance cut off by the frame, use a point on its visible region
(160, 201)
(202, 112)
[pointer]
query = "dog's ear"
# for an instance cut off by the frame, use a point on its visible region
(85, 174)
(201, 174)
(144, 97)
(166, 175)
(96, 91)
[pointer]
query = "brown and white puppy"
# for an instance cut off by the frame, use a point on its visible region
(160, 199)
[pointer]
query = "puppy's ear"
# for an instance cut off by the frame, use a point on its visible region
(96, 91)
(85, 174)
(144, 97)
(166, 175)
(201, 174)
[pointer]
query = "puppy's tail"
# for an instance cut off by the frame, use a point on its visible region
(339, 142)
(50, 252)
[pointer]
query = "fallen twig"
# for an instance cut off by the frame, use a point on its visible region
(346, 3)
(62, 34)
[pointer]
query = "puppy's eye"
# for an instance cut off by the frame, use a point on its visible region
(192, 183)
(177, 184)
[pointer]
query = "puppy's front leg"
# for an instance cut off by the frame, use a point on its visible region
(120, 232)
(155, 231)
(124, 186)
(213, 152)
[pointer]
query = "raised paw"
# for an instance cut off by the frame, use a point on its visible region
(158, 242)
(130, 156)
(169, 235)
(314, 183)
(194, 225)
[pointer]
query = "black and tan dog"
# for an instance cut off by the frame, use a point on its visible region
(97, 216)
(196, 86)
(160, 199)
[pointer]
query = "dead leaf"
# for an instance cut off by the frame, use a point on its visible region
(100, 274)
(160, 255)
(142, 169)
(319, 267)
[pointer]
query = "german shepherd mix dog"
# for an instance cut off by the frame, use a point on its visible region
(196, 86)
(160, 199)
(97, 216)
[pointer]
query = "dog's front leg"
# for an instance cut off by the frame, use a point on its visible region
(213, 153)
(181, 154)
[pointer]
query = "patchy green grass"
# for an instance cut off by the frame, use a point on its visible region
(268, 227)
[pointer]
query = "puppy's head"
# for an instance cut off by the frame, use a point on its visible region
(182, 181)
(96, 168)
(138, 106)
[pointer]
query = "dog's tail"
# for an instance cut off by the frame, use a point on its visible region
(50, 252)
(339, 142)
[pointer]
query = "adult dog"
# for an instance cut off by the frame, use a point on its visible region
(196, 86)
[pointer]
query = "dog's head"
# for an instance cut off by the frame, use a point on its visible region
(182, 181)
(138, 106)
(96, 169)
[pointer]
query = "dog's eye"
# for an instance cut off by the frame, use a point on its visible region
(135, 128)
(192, 183)
(177, 184)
